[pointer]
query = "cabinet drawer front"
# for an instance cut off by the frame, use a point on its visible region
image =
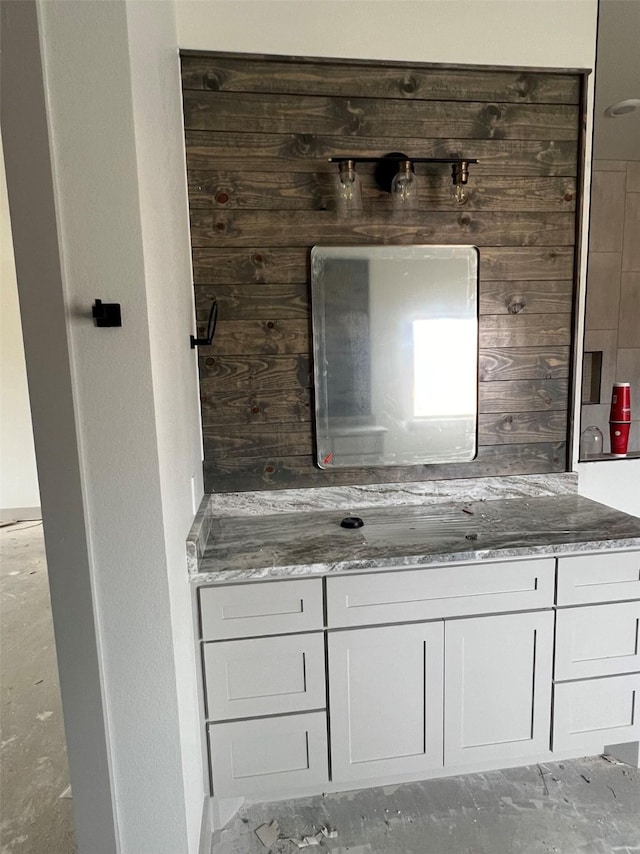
(599, 640)
(443, 591)
(598, 578)
(269, 756)
(589, 715)
(246, 610)
(266, 676)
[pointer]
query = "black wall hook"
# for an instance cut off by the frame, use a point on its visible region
(211, 327)
(106, 313)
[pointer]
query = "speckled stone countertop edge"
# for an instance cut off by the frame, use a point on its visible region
(223, 576)
(274, 502)
(198, 536)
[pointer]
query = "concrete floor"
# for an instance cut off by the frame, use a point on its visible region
(585, 806)
(34, 818)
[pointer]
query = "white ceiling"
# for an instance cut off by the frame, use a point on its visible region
(617, 78)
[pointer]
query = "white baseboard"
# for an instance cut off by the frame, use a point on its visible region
(19, 514)
(629, 753)
(206, 828)
(216, 813)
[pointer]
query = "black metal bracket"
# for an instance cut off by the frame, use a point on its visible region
(211, 328)
(106, 313)
(387, 165)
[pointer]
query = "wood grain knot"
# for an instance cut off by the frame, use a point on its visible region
(209, 362)
(524, 85)
(464, 220)
(508, 419)
(516, 307)
(211, 81)
(221, 226)
(270, 324)
(304, 143)
(269, 469)
(255, 410)
(569, 196)
(222, 198)
(408, 85)
(257, 258)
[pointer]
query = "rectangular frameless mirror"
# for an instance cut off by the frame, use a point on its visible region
(395, 335)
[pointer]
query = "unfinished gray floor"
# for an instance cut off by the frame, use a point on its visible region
(588, 806)
(34, 819)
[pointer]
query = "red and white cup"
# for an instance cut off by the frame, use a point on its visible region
(620, 402)
(619, 432)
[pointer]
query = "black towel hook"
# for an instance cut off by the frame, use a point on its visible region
(211, 327)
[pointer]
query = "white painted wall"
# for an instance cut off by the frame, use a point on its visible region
(162, 188)
(112, 79)
(19, 494)
(616, 483)
(550, 33)
(113, 109)
(44, 318)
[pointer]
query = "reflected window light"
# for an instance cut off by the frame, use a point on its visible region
(450, 389)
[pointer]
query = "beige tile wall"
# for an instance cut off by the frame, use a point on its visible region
(612, 322)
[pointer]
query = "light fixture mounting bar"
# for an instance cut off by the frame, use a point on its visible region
(357, 159)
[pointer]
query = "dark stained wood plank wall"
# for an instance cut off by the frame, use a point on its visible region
(259, 132)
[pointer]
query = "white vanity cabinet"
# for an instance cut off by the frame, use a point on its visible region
(442, 693)
(263, 667)
(597, 659)
(374, 677)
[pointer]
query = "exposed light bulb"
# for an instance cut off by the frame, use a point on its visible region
(349, 191)
(460, 176)
(404, 188)
(461, 194)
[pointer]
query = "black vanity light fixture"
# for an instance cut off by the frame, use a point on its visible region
(395, 174)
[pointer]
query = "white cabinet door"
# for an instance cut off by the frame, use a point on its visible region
(385, 701)
(497, 687)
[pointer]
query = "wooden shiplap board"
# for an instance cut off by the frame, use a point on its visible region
(259, 132)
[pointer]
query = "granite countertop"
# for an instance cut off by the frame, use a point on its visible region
(254, 545)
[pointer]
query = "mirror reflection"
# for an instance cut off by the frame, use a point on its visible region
(395, 332)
